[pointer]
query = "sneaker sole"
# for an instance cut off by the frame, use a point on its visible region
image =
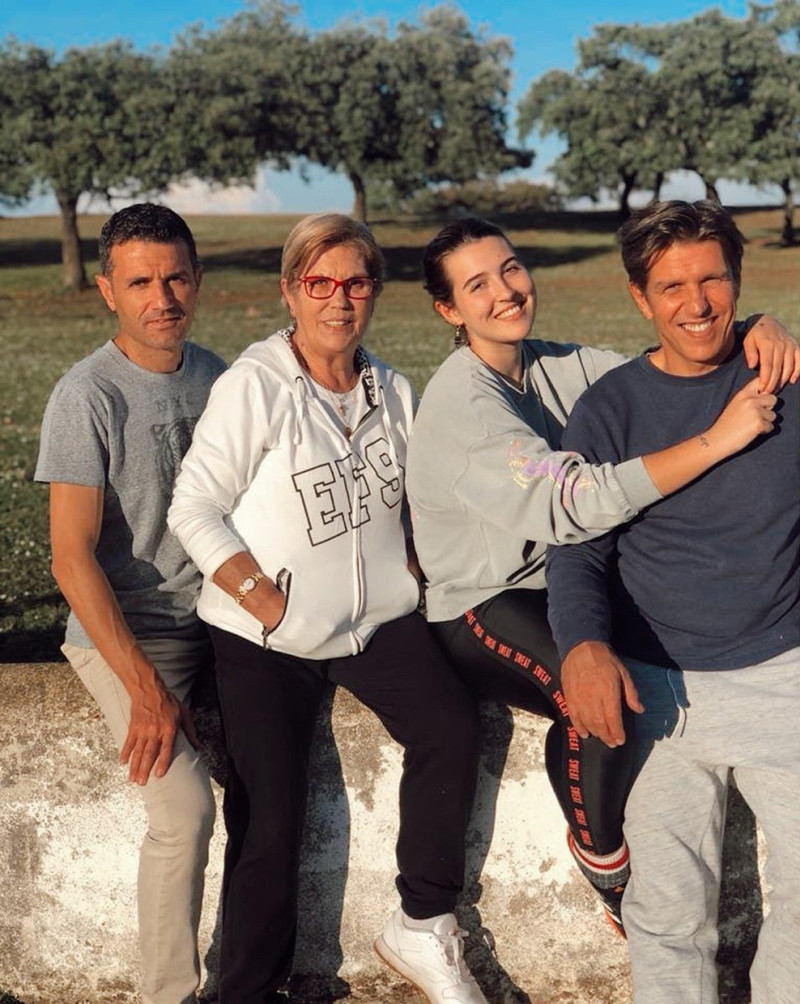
(388, 957)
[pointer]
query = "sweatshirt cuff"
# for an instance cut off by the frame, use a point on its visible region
(637, 484)
(570, 637)
(217, 554)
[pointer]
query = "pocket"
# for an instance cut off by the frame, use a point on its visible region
(307, 622)
(283, 581)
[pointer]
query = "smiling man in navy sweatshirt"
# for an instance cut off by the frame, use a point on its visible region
(690, 616)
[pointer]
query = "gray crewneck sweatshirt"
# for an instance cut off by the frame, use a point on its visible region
(488, 487)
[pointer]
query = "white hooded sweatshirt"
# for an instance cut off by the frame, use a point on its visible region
(271, 471)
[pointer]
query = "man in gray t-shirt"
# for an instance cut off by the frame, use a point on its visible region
(115, 430)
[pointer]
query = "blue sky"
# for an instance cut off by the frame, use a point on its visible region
(543, 35)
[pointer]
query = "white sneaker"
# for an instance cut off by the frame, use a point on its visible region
(432, 960)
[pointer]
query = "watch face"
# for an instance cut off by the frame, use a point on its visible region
(248, 584)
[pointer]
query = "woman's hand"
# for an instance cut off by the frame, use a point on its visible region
(748, 414)
(266, 603)
(769, 346)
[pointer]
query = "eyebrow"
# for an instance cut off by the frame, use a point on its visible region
(480, 275)
(680, 280)
(179, 273)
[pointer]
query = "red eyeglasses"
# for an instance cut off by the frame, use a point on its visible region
(322, 287)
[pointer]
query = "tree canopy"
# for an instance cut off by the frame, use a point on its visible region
(608, 116)
(423, 105)
(715, 95)
(233, 89)
(90, 122)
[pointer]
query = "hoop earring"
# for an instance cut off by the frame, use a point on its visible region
(460, 337)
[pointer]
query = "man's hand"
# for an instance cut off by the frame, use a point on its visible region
(155, 719)
(594, 681)
(770, 347)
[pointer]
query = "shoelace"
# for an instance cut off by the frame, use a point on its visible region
(453, 945)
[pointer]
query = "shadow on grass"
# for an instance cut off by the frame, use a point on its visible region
(246, 259)
(403, 264)
(40, 252)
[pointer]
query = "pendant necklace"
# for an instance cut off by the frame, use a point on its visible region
(344, 402)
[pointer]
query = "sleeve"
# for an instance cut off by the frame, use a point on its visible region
(577, 576)
(513, 479)
(229, 441)
(73, 446)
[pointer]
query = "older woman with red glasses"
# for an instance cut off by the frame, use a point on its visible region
(291, 503)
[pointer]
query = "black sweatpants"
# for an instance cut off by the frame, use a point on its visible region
(504, 651)
(269, 702)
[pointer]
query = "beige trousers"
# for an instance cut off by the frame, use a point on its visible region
(180, 818)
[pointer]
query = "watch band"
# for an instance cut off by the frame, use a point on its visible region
(247, 585)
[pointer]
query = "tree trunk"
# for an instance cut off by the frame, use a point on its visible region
(657, 187)
(711, 190)
(628, 182)
(71, 256)
(788, 237)
(360, 202)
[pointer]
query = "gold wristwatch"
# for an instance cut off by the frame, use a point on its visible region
(247, 585)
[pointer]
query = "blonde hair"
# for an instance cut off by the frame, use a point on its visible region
(316, 234)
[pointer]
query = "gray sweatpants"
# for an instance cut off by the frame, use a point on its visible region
(698, 727)
(180, 817)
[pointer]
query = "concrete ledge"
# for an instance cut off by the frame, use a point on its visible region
(70, 826)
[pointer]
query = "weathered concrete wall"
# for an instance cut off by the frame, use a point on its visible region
(70, 825)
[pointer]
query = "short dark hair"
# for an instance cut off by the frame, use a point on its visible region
(450, 238)
(649, 232)
(144, 221)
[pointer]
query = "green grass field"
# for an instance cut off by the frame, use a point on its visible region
(44, 330)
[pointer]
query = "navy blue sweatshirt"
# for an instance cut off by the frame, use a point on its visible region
(708, 578)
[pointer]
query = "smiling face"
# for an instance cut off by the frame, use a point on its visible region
(152, 288)
(493, 296)
(690, 296)
(329, 328)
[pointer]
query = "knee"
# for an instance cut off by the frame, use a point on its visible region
(467, 728)
(455, 736)
(457, 726)
(183, 810)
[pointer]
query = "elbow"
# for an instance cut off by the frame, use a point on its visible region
(173, 522)
(61, 569)
(177, 519)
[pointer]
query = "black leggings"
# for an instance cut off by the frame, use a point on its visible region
(504, 651)
(269, 702)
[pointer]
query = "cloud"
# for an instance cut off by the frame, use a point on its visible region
(197, 197)
(190, 197)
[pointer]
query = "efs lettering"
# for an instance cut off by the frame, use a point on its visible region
(337, 496)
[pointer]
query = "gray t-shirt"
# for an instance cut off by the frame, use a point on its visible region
(113, 425)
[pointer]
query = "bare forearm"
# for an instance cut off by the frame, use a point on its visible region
(155, 714)
(676, 466)
(90, 596)
(265, 602)
(749, 414)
